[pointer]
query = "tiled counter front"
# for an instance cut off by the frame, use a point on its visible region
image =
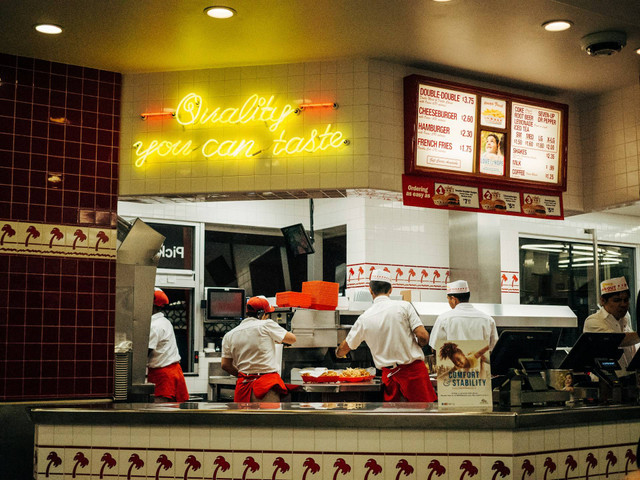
(199, 449)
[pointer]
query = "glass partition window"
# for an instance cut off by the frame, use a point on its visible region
(558, 272)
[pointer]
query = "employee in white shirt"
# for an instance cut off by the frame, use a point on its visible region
(613, 316)
(249, 353)
(463, 321)
(163, 360)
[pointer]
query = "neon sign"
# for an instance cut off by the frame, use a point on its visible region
(192, 111)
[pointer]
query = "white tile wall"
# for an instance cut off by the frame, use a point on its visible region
(328, 453)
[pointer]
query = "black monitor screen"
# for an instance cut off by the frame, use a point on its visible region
(297, 240)
(225, 303)
(592, 345)
(513, 345)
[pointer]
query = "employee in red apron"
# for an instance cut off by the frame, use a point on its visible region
(395, 335)
(164, 360)
(249, 352)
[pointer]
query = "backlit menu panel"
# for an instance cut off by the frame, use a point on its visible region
(457, 133)
(446, 134)
(535, 136)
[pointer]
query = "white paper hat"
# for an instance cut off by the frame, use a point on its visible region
(381, 276)
(459, 286)
(612, 285)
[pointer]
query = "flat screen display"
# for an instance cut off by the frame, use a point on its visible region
(592, 345)
(297, 240)
(514, 345)
(225, 303)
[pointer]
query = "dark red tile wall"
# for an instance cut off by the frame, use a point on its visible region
(57, 314)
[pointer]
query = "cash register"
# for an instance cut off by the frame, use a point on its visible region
(519, 362)
(598, 353)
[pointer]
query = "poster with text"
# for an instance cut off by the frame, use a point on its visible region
(463, 374)
(446, 131)
(535, 140)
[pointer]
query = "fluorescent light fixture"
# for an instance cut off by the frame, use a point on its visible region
(219, 11)
(557, 25)
(48, 28)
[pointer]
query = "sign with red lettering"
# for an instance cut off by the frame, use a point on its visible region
(421, 191)
(458, 133)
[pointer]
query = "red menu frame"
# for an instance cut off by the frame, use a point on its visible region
(511, 103)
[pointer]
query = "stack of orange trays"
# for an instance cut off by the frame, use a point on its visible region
(324, 295)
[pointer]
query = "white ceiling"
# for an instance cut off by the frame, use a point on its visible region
(499, 41)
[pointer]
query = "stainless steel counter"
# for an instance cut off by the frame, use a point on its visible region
(218, 383)
(336, 415)
(505, 315)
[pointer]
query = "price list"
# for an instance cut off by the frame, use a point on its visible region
(535, 139)
(446, 129)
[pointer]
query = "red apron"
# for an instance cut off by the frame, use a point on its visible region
(169, 382)
(258, 384)
(409, 381)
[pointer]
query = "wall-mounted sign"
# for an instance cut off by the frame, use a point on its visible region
(198, 118)
(459, 133)
(430, 193)
(177, 249)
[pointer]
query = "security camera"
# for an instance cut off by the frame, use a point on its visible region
(603, 43)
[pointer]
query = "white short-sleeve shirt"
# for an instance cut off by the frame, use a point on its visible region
(162, 340)
(465, 322)
(252, 345)
(387, 328)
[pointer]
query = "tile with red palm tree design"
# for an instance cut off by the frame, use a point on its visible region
(413, 277)
(496, 467)
(369, 466)
(248, 466)
(133, 463)
(547, 465)
(57, 240)
(104, 462)
(49, 462)
(338, 466)
(189, 464)
(308, 466)
(216, 465)
(400, 467)
(433, 467)
(76, 462)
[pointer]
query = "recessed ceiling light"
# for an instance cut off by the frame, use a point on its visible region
(557, 25)
(220, 12)
(638, 51)
(48, 28)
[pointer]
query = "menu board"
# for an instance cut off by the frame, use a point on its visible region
(534, 143)
(457, 133)
(445, 129)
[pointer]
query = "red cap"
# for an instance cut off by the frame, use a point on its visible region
(160, 298)
(255, 304)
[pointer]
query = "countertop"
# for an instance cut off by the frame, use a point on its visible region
(336, 415)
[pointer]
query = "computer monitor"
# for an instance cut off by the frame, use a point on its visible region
(225, 303)
(515, 345)
(591, 346)
(297, 240)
